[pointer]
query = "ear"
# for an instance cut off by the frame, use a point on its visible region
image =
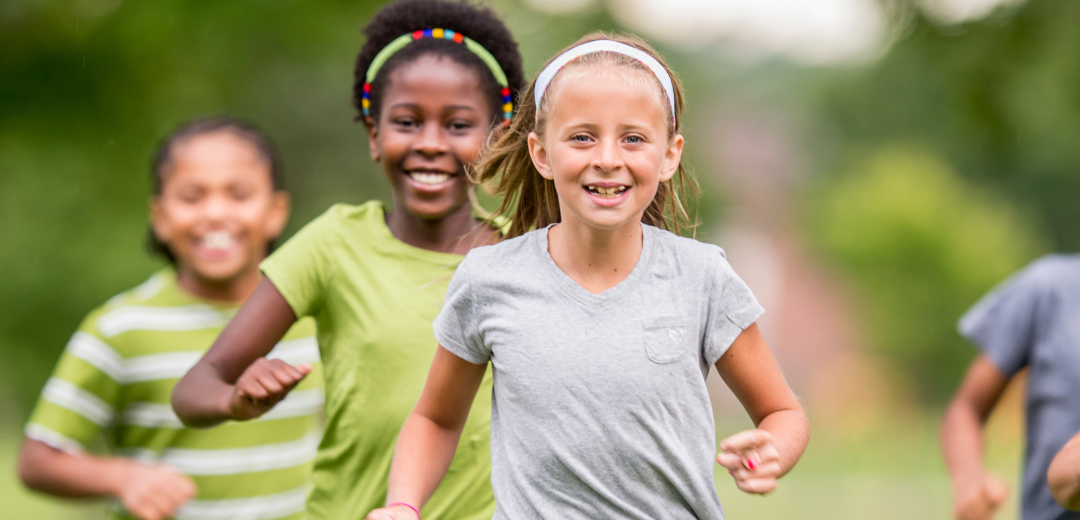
(539, 156)
(280, 207)
(158, 223)
(373, 141)
(672, 157)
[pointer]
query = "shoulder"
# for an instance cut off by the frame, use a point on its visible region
(1051, 271)
(342, 215)
(688, 254)
(502, 256)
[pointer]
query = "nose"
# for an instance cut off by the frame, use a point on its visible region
(216, 208)
(431, 140)
(608, 157)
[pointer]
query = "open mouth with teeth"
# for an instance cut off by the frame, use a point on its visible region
(429, 178)
(217, 240)
(607, 193)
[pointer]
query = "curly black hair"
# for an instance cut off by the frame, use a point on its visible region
(161, 164)
(406, 16)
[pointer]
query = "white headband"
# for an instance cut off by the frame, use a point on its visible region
(553, 68)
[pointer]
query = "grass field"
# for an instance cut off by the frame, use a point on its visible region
(885, 470)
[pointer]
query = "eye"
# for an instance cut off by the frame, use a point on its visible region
(580, 138)
(635, 139)
(406, 122)
(459, 125)
(190, 196)
(241, 194)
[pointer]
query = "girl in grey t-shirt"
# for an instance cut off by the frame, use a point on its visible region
(600, 324)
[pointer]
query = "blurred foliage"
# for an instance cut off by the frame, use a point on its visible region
(919, 244)
(997, 98)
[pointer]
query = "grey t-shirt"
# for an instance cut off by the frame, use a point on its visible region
(1033, 320)
(599, 409)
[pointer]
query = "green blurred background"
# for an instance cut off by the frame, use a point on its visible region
(869, 191)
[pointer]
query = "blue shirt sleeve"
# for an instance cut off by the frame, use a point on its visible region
(1004, 323)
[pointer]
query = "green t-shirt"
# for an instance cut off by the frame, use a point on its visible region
(374, 298)
(114, 381)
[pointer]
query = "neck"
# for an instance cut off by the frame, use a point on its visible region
(597, 259)
(457, 232)
(233, 290)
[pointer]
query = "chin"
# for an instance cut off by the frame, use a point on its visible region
(220, 274)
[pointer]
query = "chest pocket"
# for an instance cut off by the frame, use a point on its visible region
(666, 340)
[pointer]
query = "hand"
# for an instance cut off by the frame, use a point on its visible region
(154, 492)
(263, 385)
(393, 513)
(752, 460)
(980, 500)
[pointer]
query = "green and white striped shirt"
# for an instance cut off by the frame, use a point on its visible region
(115, 379)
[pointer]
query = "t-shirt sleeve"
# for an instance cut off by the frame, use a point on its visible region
(1003, 324)
(301, 269)
(455, 326)
(79, 400)
(731, 308)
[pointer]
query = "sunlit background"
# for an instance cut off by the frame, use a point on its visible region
(871, 166)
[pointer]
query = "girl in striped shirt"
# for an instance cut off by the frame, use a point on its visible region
(217, 207)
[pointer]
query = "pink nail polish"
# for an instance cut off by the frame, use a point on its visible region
(750, 464)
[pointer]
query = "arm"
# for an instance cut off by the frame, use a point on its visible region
(976, 495)
(233, 380)
(430, 435)
(148, 492)
(1064, 475)
(756, 458)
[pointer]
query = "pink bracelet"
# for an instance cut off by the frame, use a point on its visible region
(414, 510)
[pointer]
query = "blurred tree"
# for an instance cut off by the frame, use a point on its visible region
(919, 244)
(995, 97)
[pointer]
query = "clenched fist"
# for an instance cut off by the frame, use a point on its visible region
(265, 383)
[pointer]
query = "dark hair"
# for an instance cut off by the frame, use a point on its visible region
(406, 16)
(162, 163)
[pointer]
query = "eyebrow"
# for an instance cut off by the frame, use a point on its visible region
(416, 106)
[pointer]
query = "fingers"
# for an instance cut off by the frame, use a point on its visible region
(752, 459)
(267, 381)
(746, 440)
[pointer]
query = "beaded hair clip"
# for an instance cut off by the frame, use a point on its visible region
(439, 34)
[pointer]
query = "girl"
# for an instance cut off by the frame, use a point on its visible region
(217, 206)
(432, 80)
(599, 325)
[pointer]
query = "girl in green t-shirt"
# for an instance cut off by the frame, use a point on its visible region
(433, 80)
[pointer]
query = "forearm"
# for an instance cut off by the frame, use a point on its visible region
(201, 397)
(423, 454)
(49, 470)
(1064, 475)
(790, 430)
(962, 445)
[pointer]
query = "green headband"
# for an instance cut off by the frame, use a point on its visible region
(444, 34)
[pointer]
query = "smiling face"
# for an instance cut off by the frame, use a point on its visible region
(218, 210)
(605, 144)
(435, 117)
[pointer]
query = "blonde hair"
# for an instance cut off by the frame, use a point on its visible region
(529, 201)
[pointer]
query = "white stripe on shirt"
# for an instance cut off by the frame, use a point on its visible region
(52, 438)
(191, 317)
(96, 352)
(296, 351)
(75, 399)
(155, 415)
(234, 461)
(264, 507)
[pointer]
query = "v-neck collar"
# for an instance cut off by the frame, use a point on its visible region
(576, 291)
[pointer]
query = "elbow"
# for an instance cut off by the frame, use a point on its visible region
(32, 463)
